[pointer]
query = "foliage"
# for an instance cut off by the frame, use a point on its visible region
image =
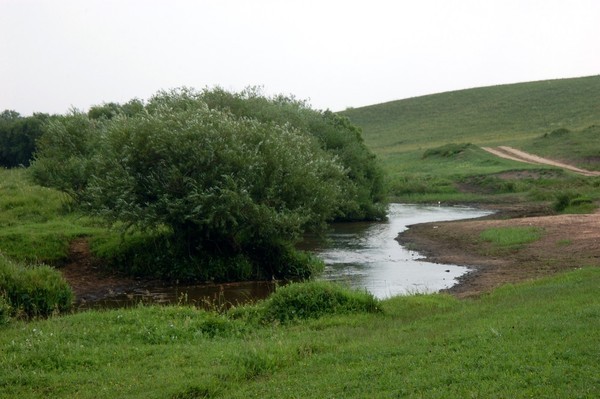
(34, 290)
(447, 150)
(158, 255)
(335, 134)
(66, 152)
(5, 310)
(243, 176)
(111, 110)
(18, 137)
(316, 299)
(569, 202)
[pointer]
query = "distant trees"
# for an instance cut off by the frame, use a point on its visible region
(226, 174)
(18, 136)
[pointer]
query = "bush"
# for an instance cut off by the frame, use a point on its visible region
(5, 310)
(562, 201)
(18, 136)
(233, 178)
(447, 150)
(34, 290)
(315, 299)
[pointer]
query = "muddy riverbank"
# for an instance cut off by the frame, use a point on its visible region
(568, 242)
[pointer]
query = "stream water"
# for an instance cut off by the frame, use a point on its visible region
(362, 255)
(367, 255)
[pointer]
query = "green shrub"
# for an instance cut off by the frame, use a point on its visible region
(34, 290)
(562, 201)
(447, 150)
(158, 255)
(315, 299)
(5, 310)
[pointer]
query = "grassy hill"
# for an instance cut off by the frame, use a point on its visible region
(404, 132)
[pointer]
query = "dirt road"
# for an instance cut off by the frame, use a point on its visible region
(521, 156)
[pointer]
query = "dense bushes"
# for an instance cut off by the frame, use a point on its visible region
(32, 291)
(18, 136)
(158, 255)
(334, 133)
(234, 177)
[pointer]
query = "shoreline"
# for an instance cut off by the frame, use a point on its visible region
(568, 242)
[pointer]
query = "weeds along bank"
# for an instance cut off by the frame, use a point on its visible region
(538, 339)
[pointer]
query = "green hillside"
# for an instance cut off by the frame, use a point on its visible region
(487, 115)
(415, 138)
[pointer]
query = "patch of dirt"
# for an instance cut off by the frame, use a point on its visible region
(88, 278)
(568, 242)
(522, 156)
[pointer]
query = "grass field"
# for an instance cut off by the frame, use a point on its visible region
(530, 116)
(539, 339)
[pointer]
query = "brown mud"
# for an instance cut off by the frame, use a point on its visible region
(568, 242)
(88, 279)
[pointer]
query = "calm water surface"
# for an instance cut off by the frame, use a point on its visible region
(366, 255)
(362, 255)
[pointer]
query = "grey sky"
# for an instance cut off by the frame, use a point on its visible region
(57, 54)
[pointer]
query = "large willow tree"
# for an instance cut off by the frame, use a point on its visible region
(244, 176)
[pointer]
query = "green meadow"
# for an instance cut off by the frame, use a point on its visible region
(538, 339)
(430, 145)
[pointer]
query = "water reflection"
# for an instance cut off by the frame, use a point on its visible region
(366, 255)
(208, 296)
(362, 255)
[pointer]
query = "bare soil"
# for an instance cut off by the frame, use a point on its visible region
(522, 156)
(568, 242)
(88, 279)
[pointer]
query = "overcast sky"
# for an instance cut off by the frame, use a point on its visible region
(58, 54)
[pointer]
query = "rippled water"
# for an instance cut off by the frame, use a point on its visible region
(362, 255)
(366, 255)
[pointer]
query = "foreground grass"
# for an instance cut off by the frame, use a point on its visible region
(541, 339)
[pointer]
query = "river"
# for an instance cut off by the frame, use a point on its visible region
(367, 255)
(362, 255)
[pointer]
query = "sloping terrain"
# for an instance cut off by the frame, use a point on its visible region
(522, 156)
(496, 115)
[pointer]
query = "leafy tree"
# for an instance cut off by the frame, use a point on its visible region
(64, 159)
(18, 137)
(335, 134)
(228, 176)
(110, 110)
(221, 183)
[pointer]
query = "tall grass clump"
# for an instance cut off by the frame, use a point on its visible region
(316, 299)
(32, 291)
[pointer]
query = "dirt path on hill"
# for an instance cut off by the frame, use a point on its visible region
(521, 156)
(568, 242)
